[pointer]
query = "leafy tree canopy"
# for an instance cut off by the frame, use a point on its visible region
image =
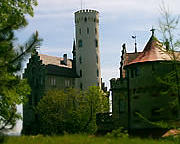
(71, 111)
(13, 12)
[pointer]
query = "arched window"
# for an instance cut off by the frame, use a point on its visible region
(85, 19)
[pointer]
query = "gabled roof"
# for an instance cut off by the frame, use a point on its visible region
(46, 59)
(55, 67)
(153, 51)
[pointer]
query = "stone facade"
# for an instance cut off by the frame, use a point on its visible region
(138, 90)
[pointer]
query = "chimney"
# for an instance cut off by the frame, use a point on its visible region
(167, 44)
(65, 59)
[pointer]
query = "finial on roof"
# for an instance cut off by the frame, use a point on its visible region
(134, 37)
(152, 30)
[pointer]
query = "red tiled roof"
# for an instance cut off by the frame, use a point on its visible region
(53, 60)
(153, 51)
(129, 57)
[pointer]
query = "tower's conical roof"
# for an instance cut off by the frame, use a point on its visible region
(153, 51)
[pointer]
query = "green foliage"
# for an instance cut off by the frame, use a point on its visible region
(13, 89)
(120, 132)
(13, 13)
(59, 111)
(170, 83)
(70, 110)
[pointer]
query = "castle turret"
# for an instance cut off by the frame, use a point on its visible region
(87, 48)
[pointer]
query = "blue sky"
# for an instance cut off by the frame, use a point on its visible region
(119, 20)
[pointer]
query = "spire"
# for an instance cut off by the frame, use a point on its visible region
(152, 30)
(122, 59)
(134, 37)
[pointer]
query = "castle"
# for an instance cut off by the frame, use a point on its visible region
(136, 95)
(136, 92)
(45, 72)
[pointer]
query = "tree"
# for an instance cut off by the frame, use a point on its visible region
(168, 25)
(13, 89)
(70, 110)
(97, 102)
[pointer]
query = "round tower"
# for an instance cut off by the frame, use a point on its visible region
(87, 48)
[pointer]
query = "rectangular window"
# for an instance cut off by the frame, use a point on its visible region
(121, 106)
(80, 31)
(67, 83)
(80, 43)
(87, 30)
(81, 86)
(136, 71)
(30, 99)
(156, 112)
(153, 67)
(97, 73)
(97, 59)
(132, 73)
(53, 81)
(80, 59)
(80, 73)
(96, 43)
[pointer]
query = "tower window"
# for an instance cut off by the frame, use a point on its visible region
(80, 31)
(97, 59)
(80, 43)
(80, 59)
(95, 30)
(80, 73)
(94, 20)
(97, 73)
(87, 30)
(85, 19)
(96, 43)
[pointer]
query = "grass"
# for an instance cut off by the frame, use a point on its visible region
(82, 139)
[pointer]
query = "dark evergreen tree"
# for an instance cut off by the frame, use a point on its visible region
(13, 89)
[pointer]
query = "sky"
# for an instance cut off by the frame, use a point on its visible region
(119, 20)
